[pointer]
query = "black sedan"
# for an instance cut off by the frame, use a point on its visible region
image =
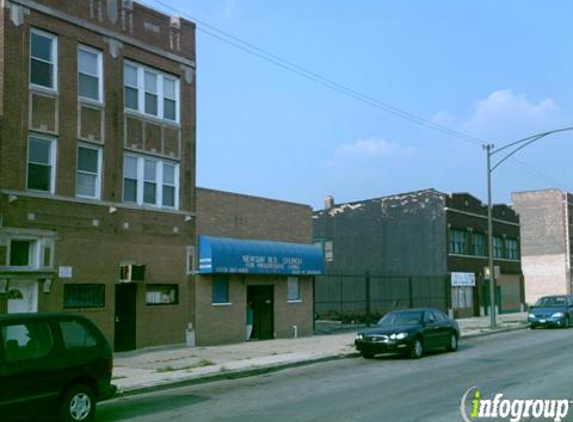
(551, 311)
(409, 331)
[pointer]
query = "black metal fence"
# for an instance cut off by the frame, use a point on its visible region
(363, 298)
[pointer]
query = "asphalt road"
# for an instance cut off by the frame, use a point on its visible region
(521, 364)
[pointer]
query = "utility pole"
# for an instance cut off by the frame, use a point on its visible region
(488, 148)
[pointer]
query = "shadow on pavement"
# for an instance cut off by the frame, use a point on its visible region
(131, 407)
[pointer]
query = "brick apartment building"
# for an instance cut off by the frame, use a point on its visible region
(97, 159)
(546, 241)
(423, 248)
(259, 251)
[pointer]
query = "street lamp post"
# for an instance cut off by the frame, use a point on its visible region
(510, 149)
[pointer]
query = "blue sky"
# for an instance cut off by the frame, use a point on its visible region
(498, 70)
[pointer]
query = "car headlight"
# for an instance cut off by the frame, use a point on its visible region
(531, 315)
(558, 315)
(399, 336)
(359, 336)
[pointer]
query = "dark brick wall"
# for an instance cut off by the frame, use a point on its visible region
(396, 235)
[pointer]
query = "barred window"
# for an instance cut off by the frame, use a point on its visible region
(84, 296)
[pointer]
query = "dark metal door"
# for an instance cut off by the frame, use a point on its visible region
(125, 316)
(263, 311)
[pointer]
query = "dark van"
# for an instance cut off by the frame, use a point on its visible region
(53, 364)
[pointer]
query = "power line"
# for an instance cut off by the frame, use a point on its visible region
(339, 87)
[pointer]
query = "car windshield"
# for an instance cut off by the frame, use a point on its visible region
(401, 318)
(552, 301)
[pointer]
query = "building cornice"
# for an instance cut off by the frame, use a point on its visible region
(32, 5)
(471, 214)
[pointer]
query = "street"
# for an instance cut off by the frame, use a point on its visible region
(521, 364)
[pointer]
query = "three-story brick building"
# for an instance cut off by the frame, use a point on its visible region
(97, 165)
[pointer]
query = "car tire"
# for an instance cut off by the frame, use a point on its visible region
(78, 405)
(368, 355)
(566, 324)
(453, 343)
(417, 349)
(533, 326)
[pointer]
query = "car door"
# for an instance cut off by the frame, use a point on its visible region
(430, 330)
(26, 372)
(444, 328)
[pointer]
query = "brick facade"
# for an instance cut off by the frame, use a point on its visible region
(94, 237)
(225, 214)
(547, 235)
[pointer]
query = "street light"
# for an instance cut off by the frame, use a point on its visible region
(510, 149)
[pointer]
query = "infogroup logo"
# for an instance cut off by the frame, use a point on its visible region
(475, 407)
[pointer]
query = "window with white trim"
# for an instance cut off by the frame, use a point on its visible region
(41, 163)
(88, 173)
(26, 253)
(293, 285)
(151, 92)
(150, 181)
(90, 74)
(43, 59)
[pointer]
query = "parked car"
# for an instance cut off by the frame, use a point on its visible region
(409, 331)
(555, 311)
(53, 364)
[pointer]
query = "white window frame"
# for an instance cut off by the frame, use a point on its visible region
(290, 299)
(99, 75)
(159, 92)
(98, 174)
(52, 163)
(54, 61)
(159, 181)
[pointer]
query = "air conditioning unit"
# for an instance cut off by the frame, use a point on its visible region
(128, 273)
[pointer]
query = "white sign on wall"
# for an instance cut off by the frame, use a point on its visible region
(463, 279)
(65, 272)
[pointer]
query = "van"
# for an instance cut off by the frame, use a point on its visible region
(53, 364)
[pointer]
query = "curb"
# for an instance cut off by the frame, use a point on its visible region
(241, 373)
(245, 373)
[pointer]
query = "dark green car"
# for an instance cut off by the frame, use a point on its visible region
(53, 364)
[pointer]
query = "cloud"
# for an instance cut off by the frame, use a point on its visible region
(371, 148)
(443, 118)
(504, 113)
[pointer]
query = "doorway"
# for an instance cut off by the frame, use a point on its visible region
(22, 296)
(263, 311)
(125, 317)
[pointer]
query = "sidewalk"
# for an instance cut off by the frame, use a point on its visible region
(155, 368)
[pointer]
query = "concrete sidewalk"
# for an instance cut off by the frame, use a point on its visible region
(155, 368)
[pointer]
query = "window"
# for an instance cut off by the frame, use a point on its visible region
(220, 293)
(190, 259)
(462, 297)
(151, 92)
(20, 253)
(511, 249)
(27, 341)
(88, 176)
(90, 74)
(458, 241)
(41, 163)
(84, 296)
(148, 181)
(293, 294)
(76, 335)
(130, 81)
(43, 59)
(479, 244)
(497, 247)
(162, 294)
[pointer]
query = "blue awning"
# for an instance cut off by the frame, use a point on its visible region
(220, 255)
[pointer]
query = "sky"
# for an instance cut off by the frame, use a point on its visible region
(495, 70)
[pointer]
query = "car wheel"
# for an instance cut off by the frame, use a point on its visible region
(453, 344)
(533, 326)
(417, 349)
(368, 355)
(566, 323)
(78, 405)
